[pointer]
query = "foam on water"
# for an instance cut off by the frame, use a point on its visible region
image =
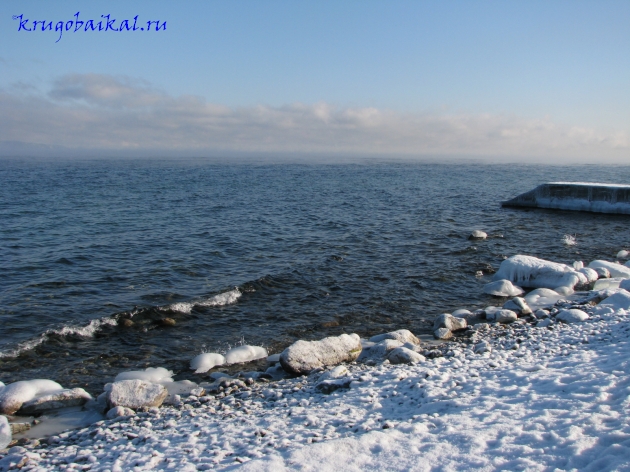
(222, 299)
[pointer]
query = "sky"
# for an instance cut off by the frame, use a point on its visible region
(504, 80)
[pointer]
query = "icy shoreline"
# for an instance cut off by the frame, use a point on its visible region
(541, 398)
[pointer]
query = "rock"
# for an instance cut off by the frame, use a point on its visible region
(126, 323)
(443, 333)
(449, 322)
(541, 314)
(518, 305)
(590, 274)
(272, 359)
(402, 355)
(461, 313)
(615, 270)
(380, 350)
(502, 288)
(14, 395)
(54, 401)
(402, 335)
(329, 386)
(119, 411)
(335, 373)
(623, 254)
(167, 322)
(544, 323)
(206, 361)
(302, 357)
(136, 393)
(481, 347)
(478, 235)
(501, 316)
(17, 428)
(619, 300)
(242, 354)
(572, 316)
(5, 432)
(602, 272)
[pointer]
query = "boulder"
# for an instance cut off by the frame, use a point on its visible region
(501, 316)
(14, 395)
(449, 322)
(402, 355)
(443, 334)
(518, 305)
(380, 350)
(302, 357)
(5, 432)
(572, 316)
(54, 401)
(502, 288)
(136, 393)
(529, 271)
(602, 272)
(402, 335)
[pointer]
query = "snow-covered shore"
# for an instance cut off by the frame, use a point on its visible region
(543, 398)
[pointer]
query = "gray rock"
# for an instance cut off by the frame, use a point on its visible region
(54, 401)
(544, 323)
(443, 333)
(502, 316)
(518, 305)
(503, 288)
(302, 357)
(478, 235)
(402, 355)
(380, 350)
(449, 322)
(335, 373)
(541, 314)
(135, 394)
(402, 335)
(481, 347)
(119, 411)
(572, 316)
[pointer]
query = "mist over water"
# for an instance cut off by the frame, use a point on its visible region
(268, 253)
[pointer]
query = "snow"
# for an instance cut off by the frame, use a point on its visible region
(623, 254)
(605, 284)
(205, 362)
(150, 374)
(502, 288)
(529, 271)
(244, 353)
(15, 394)
(5, 432)
(617, 301)
(616, 270)
(542, 297)
(535, 399)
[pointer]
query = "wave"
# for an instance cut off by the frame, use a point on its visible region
(222, 299)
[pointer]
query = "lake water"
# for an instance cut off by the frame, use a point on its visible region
(258, 253)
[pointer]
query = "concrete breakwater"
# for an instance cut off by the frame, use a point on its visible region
(577, 196)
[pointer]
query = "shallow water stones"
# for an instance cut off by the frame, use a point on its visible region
(136, 393)
(54, 401)
(302, 357)
(502, 288)
(402, 355)
(402, 335)
(572, 316)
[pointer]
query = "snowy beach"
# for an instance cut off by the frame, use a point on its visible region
(534, 394)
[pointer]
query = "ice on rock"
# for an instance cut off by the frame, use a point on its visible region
(5, 432)
(529, 271)
(14, 395)
(502, 288)
(566, 291)
(590, 274)
(478, 235)
(616, 270)
(204, 362)
(578, 265)
(620, 300)
(53, 401)
(402, 335)
(623, 254)
(602, 272)
(608, 284)
(241, 354)
(572, 316)
(461, 313)
(625, 284)
(150, 374)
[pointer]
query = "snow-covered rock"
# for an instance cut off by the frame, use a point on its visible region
(572, 316)
(241, 354)
(335, 373)
(136, 393)
(119, 411)
(501, 316)
(443, 334)
(542, 298)
(623, 254)
(590, 274)
(461, 313)
(150, 374)
(402, 355)
(625, 284)
(502, 288)
(518, 305)
(478, 235)
(529, 271)
(448, 321)
(616, 270)
(602, 272)
(5, 432)
(206, 361)
(303, 357)
(481, 347)
(380, 350)
(14, 395)
(402, 335)
(54, 401)
(620, 300)
(611, 283)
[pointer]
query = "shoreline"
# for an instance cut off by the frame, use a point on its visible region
(539, 398)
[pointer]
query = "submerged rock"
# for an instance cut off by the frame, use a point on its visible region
(136, 393)
(302, 357)
(54, 401)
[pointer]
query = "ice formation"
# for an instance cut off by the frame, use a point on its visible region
(502, 288)
(150, 374)
(245, 353)
(529, 271)
(204, 362)
(616, 270)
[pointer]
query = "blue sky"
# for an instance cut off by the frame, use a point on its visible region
(556, 74)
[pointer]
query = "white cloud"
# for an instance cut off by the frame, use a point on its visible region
(107, 113)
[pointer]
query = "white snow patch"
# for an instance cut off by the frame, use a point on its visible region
(616, 270)
(150, 374)
(204, 362)
(244, 353)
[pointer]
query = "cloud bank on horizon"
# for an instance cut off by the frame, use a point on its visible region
(116, 114)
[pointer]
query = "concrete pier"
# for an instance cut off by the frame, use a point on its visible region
(578, 196)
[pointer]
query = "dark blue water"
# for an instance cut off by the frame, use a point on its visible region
(306, 251)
